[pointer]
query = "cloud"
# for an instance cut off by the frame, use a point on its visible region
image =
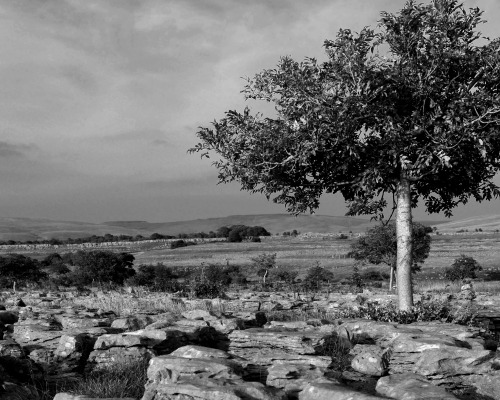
(15, 150)
(110, 93)
(151, 137)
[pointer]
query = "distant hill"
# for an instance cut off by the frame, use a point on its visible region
(274, 223)
(487, 223)
(23, 229)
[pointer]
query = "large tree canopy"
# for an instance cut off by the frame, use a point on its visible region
(408, 112)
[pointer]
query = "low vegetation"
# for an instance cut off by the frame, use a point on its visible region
(464, 267)
(239, 232)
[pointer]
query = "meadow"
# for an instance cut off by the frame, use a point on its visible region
(330, 252)
(305, 251)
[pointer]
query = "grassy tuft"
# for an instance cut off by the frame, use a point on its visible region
(120, 381)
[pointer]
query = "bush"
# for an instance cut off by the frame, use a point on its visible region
(283, 274)
(181, 243)
(372, 275)
(211, 281)
(356, 280)
(464, 267)
(237, 233)
(156, 277)
(423, 311)
(20, 270)
(316, 276)
(100, 267)
(235, 274)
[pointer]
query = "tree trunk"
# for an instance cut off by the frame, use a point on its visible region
(404, 244)
(391, 278)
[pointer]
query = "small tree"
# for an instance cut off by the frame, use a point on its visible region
(368, 124)
(316, 276)
(356, 279)
(462, 268)
(379, 246)
(263, 263)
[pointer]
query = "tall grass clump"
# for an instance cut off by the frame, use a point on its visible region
(118, 381)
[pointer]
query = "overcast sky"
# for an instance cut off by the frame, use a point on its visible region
(100, 99)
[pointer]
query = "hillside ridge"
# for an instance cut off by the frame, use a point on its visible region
(24, 229)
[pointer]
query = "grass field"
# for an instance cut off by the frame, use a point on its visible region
(301, 253)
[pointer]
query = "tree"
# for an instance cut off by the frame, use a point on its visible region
(390, 114)
(263, 263)
(236, 234)
(18, 269)
(463, 267)
(102, 266)
(379, 246)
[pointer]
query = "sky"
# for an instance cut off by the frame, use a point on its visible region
(100, 99)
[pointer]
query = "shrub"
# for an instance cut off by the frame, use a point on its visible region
(211, 281)
(423, 311)
(463, 267)
(316, 276)
(283, 274)
(19, 269)
(235, 274)
(101, 267)
(181, 243)
(118, 381)
(338, 349)
(237, 233)
(372, 275)
(356, 280)
(156, 277)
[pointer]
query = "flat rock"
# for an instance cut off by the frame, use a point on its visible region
(332, 391)
(170, 369)
(69, 396)
(212, 390)
(102, 359)
(197, 314)
(451, 362)
(27, 335)
(133, 323)
(292, 378)
(201, 352)
(309, 342)
(411, 387)
(486, 384)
